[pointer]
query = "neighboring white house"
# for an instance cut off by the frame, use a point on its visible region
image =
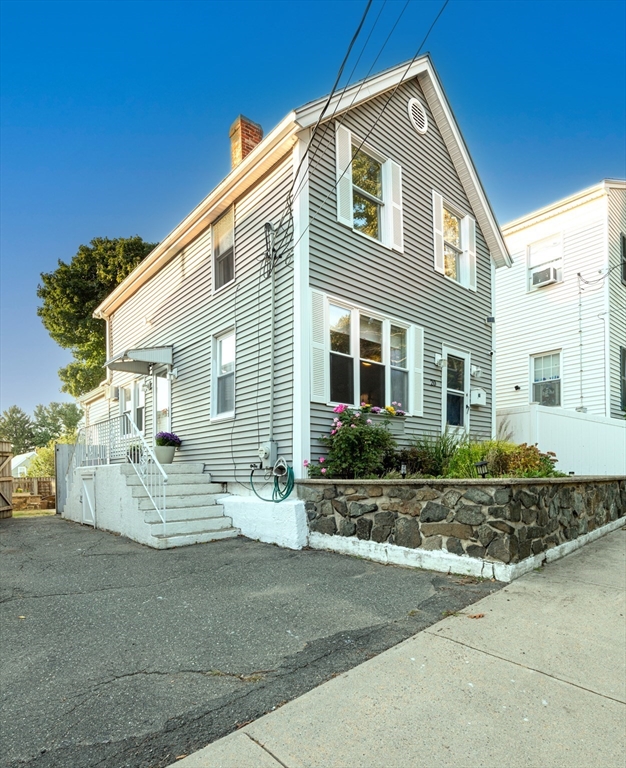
(21, 463)
(348, 256)
(561, 330)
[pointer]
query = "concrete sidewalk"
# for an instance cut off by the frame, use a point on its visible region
(538, 681)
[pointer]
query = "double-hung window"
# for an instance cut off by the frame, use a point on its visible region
(546, 379)
(367, 194)
(223, 239)
(369, 191)
(362, 357)
(224, 375)
(454, 243)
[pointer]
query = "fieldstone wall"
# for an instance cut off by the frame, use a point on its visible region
(499, 520)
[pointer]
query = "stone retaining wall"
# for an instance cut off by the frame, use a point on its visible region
(499, 520)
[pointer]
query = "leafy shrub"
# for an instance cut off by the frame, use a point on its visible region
(356, 447)
(428, 455)
(504, 459)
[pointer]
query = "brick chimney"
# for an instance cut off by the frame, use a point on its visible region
(244, 136)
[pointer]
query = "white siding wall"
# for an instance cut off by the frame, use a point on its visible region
(617, 293)
(404, 285)
(177, 307)
(532, 322)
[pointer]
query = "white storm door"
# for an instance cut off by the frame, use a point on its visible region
(162, 404)
(456, 395)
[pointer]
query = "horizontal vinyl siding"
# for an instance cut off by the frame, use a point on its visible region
(182, 312)
(529, 323)
(617, 294)
(343, 263)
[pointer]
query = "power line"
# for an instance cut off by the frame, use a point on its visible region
(292, 197)
(382, 112)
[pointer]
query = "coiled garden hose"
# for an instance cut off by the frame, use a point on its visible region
(278, 493)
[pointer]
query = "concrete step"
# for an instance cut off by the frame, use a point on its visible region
(201, 537)
(184, 513)
(180, 468)
(194, 525)
(177, 502)
(178, 479)
(181, 489)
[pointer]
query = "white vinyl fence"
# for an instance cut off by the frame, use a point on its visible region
(584, 444)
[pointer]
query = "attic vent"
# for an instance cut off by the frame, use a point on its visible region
(417, 115)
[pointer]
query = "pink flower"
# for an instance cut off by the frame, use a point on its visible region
(322, 459)
(353, 426)
(333, 431)
(363, 403)
(357, 415)
(324, 470)
(394, 403)
(369, 421)
(340, 408)
(306, 462)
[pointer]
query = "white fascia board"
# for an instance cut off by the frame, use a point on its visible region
(308, 115)
(453, 138)
(274, 146)
(560, 206)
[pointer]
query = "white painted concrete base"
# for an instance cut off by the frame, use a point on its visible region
(446, 562)
(284, 523)
(117, 510)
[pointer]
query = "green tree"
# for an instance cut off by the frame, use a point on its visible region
(70, 295)
(16, 426)
(52, 421)
(42, 464)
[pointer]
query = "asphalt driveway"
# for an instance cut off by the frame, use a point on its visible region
(114, 654)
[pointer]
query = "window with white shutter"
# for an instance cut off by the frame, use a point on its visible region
(454, 243)
(369, 191)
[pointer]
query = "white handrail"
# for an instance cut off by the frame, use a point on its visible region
(119, 440)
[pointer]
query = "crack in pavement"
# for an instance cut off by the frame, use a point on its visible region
(271, 754)
(524, 666)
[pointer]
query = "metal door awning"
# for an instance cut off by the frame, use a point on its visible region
(141, 360)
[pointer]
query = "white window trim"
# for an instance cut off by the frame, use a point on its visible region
(558, 263)
(387, 320)
(468, 261)
(387, 205)
(531, 375)
(445, 351)
(227, 415)
(215, 290)
(154, 403)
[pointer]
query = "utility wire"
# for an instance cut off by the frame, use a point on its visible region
(339, 74)
(382, 112)
(292, 197)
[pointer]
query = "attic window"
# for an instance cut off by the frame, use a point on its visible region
(417, 115)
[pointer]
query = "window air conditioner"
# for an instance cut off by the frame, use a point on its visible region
(546, 276)
(112, 393)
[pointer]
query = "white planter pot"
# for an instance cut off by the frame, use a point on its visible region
(164, 453)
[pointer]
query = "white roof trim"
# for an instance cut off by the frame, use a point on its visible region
(274, 146)
(424, 70)
(281, 140)
(565, 204)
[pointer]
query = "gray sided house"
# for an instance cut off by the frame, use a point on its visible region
(349, 256)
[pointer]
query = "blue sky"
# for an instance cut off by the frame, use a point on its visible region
(115, 115)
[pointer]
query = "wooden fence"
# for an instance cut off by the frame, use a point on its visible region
(38, 486)
(6, 481)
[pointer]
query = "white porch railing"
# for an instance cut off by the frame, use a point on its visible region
(117, 441)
